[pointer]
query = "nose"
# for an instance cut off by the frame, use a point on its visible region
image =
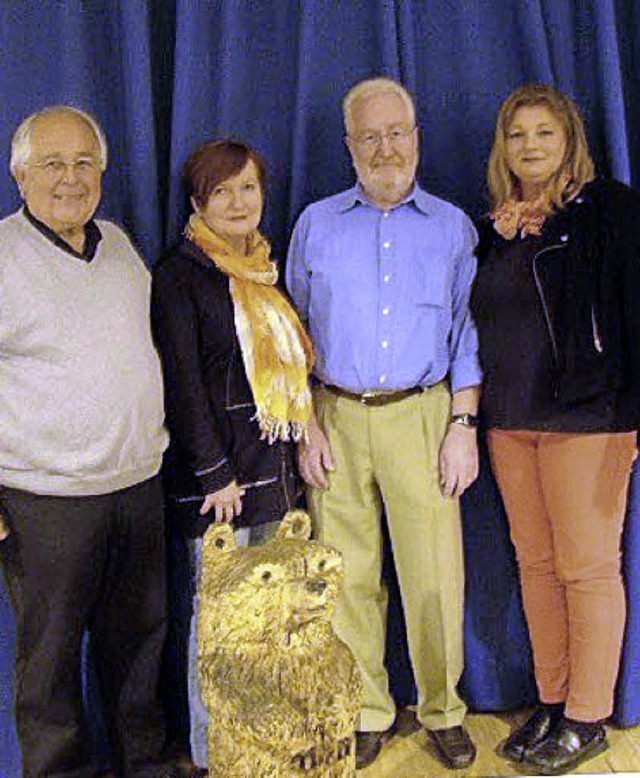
(317, 587)
(384, 145)
(70, 175)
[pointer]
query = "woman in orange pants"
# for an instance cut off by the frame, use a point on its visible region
(557, 305)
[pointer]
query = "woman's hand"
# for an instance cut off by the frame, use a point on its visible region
(227, 503)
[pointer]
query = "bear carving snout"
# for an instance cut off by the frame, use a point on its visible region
(317, 587)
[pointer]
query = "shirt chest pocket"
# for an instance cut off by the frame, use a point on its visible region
(429, 284)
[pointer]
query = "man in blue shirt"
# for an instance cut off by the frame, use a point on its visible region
(381, 274)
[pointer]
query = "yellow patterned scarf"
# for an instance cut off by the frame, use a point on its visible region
(276, 350)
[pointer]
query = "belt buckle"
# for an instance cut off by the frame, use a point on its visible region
(369, 395)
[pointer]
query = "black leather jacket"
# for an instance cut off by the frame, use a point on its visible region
(587, 274)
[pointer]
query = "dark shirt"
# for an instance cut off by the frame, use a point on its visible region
(515, 349)
(92, 237)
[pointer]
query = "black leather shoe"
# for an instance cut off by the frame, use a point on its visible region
(528, 735)
(564, 750)
(454, 745)
(368, 746)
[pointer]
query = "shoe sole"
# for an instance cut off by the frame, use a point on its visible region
(568, 766)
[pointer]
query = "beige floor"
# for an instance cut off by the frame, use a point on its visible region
(409, 754)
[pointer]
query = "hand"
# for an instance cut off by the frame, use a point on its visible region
(4, 528)
(314, 456)
(458, 460)
(227, 503)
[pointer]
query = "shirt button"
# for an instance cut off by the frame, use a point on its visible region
(385, 344)
(382, 379)
(385, 311)
(386, 278)
(385, 214)
(564, 238)
(386, 244)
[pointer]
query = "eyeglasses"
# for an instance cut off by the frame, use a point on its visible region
(394, 135)
(55, 167)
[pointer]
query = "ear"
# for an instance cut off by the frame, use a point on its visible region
(218, 540)
(18, 177)
(295, 525)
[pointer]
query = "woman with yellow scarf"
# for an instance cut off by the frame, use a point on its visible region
(236, 362)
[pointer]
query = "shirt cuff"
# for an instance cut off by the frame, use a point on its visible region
(465, 373)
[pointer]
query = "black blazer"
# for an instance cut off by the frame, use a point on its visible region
(209, 405)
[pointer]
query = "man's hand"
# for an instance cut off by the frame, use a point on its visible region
(458, 460)
(227, 503)
(314, 456)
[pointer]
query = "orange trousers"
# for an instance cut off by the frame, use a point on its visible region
(565, 495)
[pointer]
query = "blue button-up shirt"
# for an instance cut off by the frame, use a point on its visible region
(385, 293)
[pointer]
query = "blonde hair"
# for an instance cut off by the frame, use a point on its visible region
(577, 168)
(21, 142)
(372, 87)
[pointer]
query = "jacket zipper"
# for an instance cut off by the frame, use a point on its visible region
(229, 369)
(597, 340)
(545, 307)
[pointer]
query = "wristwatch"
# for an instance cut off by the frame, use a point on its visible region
(465, 419)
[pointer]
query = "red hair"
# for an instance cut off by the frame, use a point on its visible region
(215, 162)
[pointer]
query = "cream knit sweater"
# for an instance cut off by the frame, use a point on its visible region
(81, 405)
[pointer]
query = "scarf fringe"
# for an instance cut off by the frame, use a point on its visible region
(272, 428)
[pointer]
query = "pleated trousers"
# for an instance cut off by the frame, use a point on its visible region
(386, 460)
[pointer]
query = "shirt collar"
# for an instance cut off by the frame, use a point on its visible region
(92, 236)
(356, 196)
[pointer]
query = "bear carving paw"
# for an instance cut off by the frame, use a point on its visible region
(307, 760)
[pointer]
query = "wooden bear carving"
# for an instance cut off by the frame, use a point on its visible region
(282, 691)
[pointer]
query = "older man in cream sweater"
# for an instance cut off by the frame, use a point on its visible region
(81, 442)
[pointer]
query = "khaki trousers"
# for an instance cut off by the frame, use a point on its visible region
(565, 496)
(387, 457)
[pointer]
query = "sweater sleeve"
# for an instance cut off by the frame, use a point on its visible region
(190, 417)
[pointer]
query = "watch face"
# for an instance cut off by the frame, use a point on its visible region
(466, 419)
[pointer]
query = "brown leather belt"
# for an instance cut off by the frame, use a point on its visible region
(373, 398)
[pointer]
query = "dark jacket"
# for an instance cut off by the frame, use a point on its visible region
(209, 405)
(587, 274)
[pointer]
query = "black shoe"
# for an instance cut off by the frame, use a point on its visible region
(368, 746)
(564, 749)
(454, 745)
(528, 735)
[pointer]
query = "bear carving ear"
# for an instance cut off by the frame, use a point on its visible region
(218, 539)
(296, 525)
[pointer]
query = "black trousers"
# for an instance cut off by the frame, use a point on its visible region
(74, 564)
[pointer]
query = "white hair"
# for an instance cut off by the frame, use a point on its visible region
(21, 142)
(372, 87)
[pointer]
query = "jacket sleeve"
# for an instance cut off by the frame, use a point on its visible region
(190, 417)
(624, 227)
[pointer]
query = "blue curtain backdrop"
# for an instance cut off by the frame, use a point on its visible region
(164, 75)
